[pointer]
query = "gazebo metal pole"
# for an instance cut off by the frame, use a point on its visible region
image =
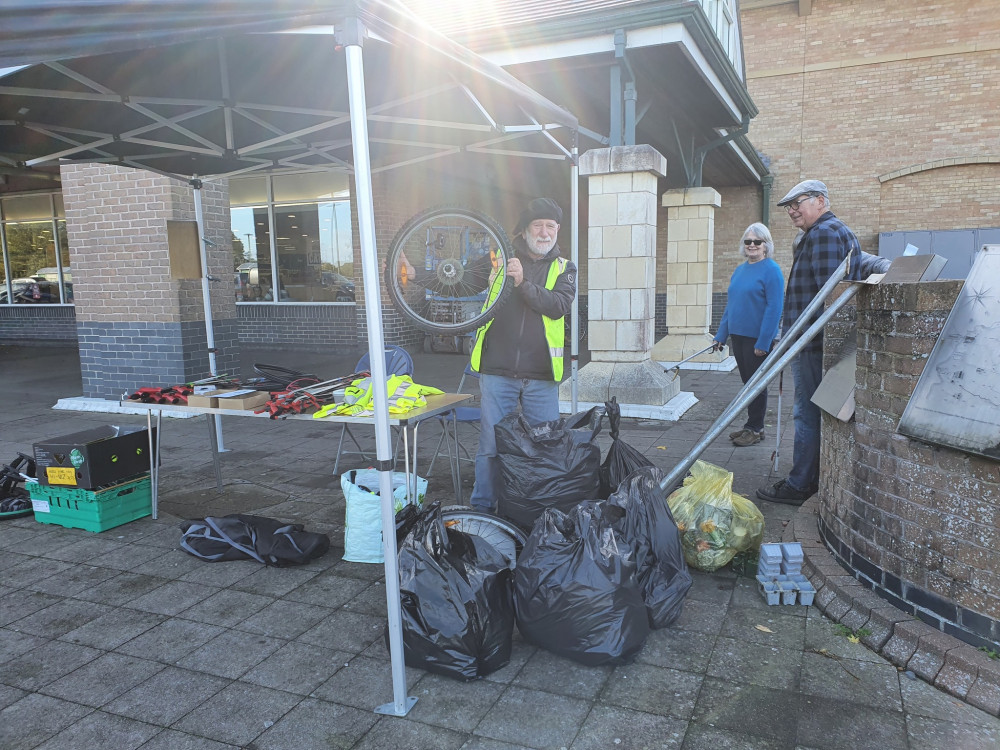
(574, 254)
(749, 394)
(401, 703)
(206, 297)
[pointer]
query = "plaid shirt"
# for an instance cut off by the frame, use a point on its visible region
(823, 247)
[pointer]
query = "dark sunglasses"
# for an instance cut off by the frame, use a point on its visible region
(753, 242)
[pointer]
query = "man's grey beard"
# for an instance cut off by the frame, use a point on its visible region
(535, 246)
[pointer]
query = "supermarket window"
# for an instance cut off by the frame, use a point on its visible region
(35, 268)
(299, 224)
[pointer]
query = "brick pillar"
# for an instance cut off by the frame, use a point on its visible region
(136, 324)
(621, 272)
(690, 250)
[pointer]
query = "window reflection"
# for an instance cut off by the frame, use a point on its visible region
(251, 254)
(31, 259)
(312, 245)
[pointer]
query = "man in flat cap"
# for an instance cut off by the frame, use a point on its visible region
(825, 242)
(519, 353)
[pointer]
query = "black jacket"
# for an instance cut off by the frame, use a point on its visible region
(515, 345)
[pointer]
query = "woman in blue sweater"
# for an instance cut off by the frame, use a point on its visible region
(752, 316)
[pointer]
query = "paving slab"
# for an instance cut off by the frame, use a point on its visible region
(166, 696)
(102, 680)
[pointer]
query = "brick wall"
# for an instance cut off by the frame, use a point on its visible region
(38, 325)
(918, 523)
(137, 326)
(118, 357)
(858, 90)
(740, 208)
(393, 208)
(964, 196)
(329, 327)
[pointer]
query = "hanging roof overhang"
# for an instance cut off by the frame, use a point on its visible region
(689, 69)
(195, 88)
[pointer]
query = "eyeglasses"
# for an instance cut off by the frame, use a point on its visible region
(748, 243)
(794, 205)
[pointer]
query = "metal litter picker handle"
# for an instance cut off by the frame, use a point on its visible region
(676, 369)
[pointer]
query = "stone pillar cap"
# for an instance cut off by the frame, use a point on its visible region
(621, 159)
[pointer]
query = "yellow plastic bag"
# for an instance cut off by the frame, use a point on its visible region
(715, 523)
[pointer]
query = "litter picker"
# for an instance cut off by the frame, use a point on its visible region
(676, 369)
(777, 431)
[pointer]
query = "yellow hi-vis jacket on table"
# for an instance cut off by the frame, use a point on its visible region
(404, 396)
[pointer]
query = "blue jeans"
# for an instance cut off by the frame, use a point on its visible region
(807, 371)
(539, 402)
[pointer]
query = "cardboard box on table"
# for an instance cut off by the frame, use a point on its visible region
(209, 398)
(243, 400)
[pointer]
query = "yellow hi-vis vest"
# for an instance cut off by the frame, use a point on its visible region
(555, 328)
(404, 396)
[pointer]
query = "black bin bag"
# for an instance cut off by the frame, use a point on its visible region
(456, 596)
(549, 465)
(575, 590)
(649, 529)
(622, 458)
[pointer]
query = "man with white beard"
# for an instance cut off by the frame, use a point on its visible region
(519, 353)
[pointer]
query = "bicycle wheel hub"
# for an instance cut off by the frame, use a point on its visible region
(450, 271)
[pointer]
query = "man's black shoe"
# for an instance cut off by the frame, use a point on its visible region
(783, 492)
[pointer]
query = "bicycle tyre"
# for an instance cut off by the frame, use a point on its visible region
(448, 278)
(507, 538)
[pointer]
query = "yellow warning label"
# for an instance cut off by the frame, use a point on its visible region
(61, 475)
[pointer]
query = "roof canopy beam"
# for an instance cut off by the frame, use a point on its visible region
(142, 110)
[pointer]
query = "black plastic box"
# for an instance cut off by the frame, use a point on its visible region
(93, 458)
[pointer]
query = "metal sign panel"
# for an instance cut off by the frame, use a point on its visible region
(957, 399)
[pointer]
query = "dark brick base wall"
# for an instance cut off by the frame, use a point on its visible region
(938, 612)
(311, 326)
(291, 326)
(117, 358)
(37, 325)
(305, 326)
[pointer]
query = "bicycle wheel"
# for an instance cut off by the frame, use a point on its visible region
(440, 267)
(505, 537)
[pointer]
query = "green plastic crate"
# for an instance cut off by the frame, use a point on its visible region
(92, 510)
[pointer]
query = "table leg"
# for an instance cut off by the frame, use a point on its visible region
(411, 497)
(456, 466)
(154, 464)
(215, 451)
(416, 443)
(218, 435)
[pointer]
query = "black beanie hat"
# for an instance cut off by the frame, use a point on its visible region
(539, 208)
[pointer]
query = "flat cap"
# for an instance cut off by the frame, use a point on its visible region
(814, 187)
